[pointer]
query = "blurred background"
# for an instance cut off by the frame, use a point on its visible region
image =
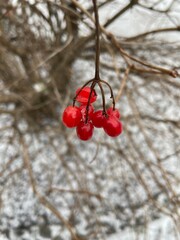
(54, 186)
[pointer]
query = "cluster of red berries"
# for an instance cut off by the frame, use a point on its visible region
(84, 118)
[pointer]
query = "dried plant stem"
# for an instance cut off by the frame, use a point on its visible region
(97, 40)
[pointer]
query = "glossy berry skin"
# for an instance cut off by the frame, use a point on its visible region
(112, 126)
(83, 111)
(84, 95)
(114, 112)
(85, 130)
(71, 116)
(98, 119)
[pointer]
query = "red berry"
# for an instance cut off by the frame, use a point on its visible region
(83, 111)
(114, 112)
(98, 119)
(112, 126)
(71, 116)
(84, 130)
(84, 95)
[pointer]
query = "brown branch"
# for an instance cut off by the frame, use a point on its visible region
(121, 12)
(171, 29)
(114, 41)
(170, 72)
(123, 84)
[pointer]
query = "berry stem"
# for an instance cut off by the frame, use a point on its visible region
(96, 77)
(97, 40)
(89, 99)
(111, 91)
(103, 99)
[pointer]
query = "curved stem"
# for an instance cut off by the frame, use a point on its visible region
(89, 99)
(112, 95)
(97, 40)
(103, 98)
